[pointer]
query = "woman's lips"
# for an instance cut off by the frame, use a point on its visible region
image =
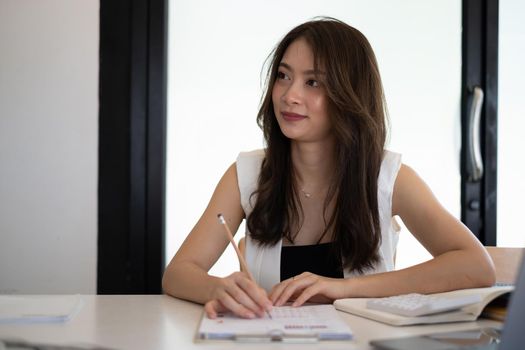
(292, 117)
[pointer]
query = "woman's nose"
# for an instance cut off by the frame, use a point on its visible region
(292, 95)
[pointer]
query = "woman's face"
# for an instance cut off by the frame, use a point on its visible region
(299, 97)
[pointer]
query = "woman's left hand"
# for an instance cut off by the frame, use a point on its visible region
(308, 287)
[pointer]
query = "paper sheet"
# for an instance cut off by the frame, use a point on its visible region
(319, 321)
(38, 309)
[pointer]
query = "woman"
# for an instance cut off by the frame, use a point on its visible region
(319, 201)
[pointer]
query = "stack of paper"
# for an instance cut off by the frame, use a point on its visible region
(38, 309)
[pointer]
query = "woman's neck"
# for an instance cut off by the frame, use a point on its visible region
(314, 164)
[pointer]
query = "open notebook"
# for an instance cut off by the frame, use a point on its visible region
(358, 306)
(291, 324)
(512, 338)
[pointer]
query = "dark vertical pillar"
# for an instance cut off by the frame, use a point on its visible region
(480, 70)
(132, 124)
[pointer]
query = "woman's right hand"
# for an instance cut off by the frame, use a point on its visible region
(239, 294)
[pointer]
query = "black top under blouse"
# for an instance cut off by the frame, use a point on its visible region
(316, 258)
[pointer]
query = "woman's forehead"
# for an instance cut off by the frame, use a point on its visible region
(299, 56)
(299, 47)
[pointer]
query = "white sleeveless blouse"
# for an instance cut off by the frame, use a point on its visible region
(264, 262)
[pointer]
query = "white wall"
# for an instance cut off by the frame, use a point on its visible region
(48, 145)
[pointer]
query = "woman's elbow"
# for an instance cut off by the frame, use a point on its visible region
(165, 283)
(167, 280)
(487, 272)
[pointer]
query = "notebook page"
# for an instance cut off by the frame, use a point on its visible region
(320, 320)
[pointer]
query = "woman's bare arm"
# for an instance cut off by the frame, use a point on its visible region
(460, 261)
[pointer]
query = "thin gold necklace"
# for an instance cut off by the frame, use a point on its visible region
(306, 194)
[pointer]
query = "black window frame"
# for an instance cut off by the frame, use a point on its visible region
(480, 69)
(132, 146)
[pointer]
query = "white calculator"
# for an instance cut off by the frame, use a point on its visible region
(415, 304)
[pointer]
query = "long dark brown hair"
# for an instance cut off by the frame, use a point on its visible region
(358, 116)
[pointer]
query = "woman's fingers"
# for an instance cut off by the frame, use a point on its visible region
(308, 293)
(258, 299)
(291, 287)
(307, 287)
(279, 288)
(323, 290)
(240, 295)
(224, 304)
(213, 307)
(245, 298)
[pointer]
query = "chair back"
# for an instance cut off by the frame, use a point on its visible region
(507, 262)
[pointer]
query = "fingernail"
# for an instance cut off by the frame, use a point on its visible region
(250, 315)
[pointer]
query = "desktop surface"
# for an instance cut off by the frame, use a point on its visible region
(158, 322)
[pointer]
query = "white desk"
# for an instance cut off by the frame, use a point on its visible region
(159, 322)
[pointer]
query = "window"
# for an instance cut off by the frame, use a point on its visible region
(214, 87)
(511, 124)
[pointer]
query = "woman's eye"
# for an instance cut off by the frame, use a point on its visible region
(282, 76)
(312, 83)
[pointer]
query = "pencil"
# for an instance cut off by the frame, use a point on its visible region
(239, 255)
